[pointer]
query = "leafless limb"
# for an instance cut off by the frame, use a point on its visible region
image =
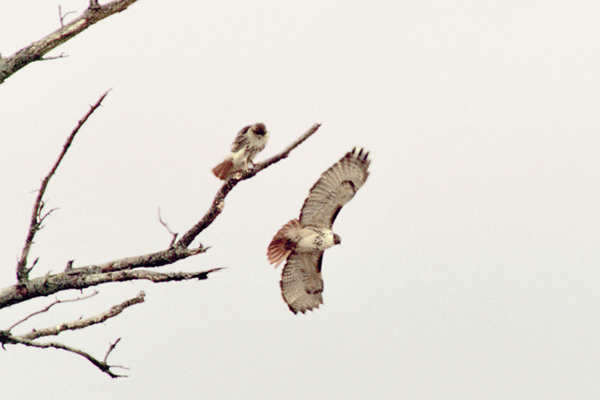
(219, 202)
(48, 58)
(102, 365)
(284, 154)
(110, 349)
(36, 216)
(62, 16)
(28, 339)
(83, 323)
(37, 50)
(84, 277)
(169, 229)
(45, 309)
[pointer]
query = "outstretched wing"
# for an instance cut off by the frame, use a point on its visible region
(335, 188)
(301, 281)
(241, 139)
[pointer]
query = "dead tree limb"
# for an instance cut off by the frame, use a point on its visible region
(7, 338)
(163, 223)
(219, 202)
(83, 323)
(45, 309)
(36, 50)
(37, 218)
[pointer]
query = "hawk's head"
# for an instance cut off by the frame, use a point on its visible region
(259, 129)
(336, 239)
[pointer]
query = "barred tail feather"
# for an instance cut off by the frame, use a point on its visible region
(281, 246)
(223, 170)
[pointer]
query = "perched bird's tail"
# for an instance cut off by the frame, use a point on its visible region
(223, 170)
(281, 246)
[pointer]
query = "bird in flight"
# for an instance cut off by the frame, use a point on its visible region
(249, 141)
(302, 241)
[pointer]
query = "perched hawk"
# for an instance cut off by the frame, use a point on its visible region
(249, 141)
(302, 242)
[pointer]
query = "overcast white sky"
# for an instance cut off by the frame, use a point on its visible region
(470, 260)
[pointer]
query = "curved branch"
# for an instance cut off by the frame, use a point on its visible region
(102, 365)
(36, 50)
(45, 309)
(82, 323)
(28, 339)
(36, 216)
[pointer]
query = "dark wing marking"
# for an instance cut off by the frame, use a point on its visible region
(241, 139)
(334, 189)
(301, 281)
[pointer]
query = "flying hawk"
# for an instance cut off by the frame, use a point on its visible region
(249, 141)
(302, 241)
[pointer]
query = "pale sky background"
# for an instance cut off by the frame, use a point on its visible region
(470, 260)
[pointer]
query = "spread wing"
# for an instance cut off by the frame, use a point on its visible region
(301, 281)
(241, 139)
(335, 187)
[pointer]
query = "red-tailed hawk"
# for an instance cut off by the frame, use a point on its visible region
(249, 141)
(302, 241)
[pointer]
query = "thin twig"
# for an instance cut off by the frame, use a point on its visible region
(110, 349)
(267, 163)
(57, 301)
(36, 218)
(62, 16)
(168, 229)
(48, 58)
(82, 323)
(103, 366)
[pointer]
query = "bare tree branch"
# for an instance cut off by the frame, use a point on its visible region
(62, 16)
(284, 154)
(36, 216)
(28, 339)
(49, 58)
(219, 201)
(168, 229)
(81, 278)
(82, 323)
(36, 50)
(50, 306)
(102, 365)
(110, 349)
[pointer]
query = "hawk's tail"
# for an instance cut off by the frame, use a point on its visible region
(281, 246)
(223, 170)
